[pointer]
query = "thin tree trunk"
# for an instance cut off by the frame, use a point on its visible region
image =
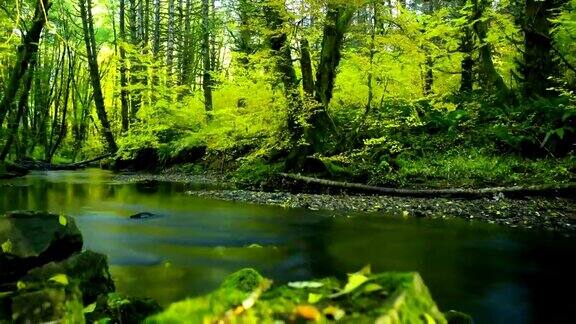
(207, 77)
(90, 41)
(123, 77)
(22, 103)
(26, 52)
(306, 67)
(467, 47)
(156, 45)
(170, 40)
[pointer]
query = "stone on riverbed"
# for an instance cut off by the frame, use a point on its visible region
(244, 297)
(32, 239)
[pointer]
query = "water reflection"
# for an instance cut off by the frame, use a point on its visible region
(496, 274)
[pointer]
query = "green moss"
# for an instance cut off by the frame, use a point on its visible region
(245, 280)
(365, 298)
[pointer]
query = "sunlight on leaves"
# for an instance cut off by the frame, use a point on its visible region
(60, 278)
(62, 220)
(7, 246)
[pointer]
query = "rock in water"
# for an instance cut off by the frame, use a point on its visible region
(32, 239)
(89, 270)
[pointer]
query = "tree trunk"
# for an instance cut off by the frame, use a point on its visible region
(538, 62)
(22, 103)
(207, 77)
(306, 68)
(26, 51)
(490, 80)
(170, 40)
(467, 47)
(337, 21)
(90, 41)
(123, 78)
(338, 18)
(156, 45)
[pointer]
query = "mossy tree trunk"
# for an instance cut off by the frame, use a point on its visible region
(26, 52)
(490, 80)
(92, 56)
(538, 61)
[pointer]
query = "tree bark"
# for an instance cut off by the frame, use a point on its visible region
(156, 45)
(490, 80)
(538, 61)
(123, 69)
(306, 68)
(207, 68)
(90, 42)
(26, 51)
(170, 39)
(466, 48)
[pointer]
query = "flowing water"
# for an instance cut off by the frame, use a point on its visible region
(496, 274)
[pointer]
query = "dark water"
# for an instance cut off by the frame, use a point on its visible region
(498, 275)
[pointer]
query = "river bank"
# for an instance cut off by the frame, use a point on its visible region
(551, 214)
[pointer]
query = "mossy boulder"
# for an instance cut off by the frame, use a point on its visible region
(244, 297)
(51, 304)
(117, 308)
(32, 239)
(89, 270)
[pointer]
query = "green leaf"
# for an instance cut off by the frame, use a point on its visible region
(60, 278)
(371, 287)
(314, 298)
(305, 284)
(7, 246)
(355, 280)
(90, 308)
(62, 220)
(20, 285)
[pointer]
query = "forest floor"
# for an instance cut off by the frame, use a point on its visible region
(554, 214)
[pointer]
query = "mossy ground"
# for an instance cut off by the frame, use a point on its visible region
(245, 298)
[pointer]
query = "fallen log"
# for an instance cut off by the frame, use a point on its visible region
(560, 190)
(45, 166)
(81, 164)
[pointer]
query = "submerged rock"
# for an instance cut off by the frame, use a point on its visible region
(244, 297)
(32, 239)
(144, 215)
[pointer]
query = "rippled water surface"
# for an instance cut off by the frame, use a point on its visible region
(498, 275)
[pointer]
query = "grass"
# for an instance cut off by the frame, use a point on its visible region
(474, 168)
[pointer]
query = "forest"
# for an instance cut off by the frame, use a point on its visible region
(121, 116)
(441, 93)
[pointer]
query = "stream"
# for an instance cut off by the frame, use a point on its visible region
(494, 273)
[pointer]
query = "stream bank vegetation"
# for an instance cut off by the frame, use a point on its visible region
(431, 94)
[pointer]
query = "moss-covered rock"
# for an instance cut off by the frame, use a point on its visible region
(32, 239)
(52, 303)
(89, 270)
(365, 298)
(117, 308)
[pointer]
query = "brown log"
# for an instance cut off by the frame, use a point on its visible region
(559, 190)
